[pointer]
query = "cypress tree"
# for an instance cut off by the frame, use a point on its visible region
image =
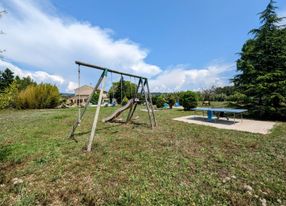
(262, 67)
(6, 78)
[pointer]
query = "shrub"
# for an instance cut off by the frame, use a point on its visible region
(189, 100)
(160, 101)
(237, 97)
(154, 99)
(24, 82)
(94, 98)
(124, 101)
(171, 100)
(38, 97)
(8, 96)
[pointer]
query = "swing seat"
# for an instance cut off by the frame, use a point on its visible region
(115, 114)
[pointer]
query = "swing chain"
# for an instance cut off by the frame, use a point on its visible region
(78, 99)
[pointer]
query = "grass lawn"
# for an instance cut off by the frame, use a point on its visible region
(175, 164)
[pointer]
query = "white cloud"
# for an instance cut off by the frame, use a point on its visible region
(181, 78)
(44, 76)
(38, 76)
(38, 38)
(72, 86)
(43, 40)
(282, 14)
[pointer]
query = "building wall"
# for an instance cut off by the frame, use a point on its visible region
(82, 94)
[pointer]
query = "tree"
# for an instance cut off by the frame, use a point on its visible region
(160, 101)
(6, 78)
(208, 94)
(94, 98)
(8, 96)
(24, 82)
(189, 100)
(262, 67)
(124, 101)
(122, 89)
(171, 99)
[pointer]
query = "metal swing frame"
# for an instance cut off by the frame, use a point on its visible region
(145, 90)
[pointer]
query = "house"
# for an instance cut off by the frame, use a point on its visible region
(82, 94)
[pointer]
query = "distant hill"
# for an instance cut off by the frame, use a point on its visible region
(67, 94)
(157, 93)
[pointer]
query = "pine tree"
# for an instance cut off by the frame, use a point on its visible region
(262, 67)
(6, 78)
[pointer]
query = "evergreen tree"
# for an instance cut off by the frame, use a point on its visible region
(262, 67)
(24, 82)
(6, 78)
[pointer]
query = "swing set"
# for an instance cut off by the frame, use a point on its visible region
(142, 89)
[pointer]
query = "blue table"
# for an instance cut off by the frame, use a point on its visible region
(210, 111)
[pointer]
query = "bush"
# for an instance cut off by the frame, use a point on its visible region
(171, 100)
(154, 99)
(124, 101)
(237, 97)
(94, 98)
(160, 101)
(189, 100)
(220, 97)
(8, 96)
(38, 97)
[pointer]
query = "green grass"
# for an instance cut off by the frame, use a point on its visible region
(174, 164)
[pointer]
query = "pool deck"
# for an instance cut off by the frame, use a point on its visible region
(246, 125)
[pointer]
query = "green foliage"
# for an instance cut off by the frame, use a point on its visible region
(237, 97)
(189, 100)
(24, 82)
(216, 93)
(38, 97)
(171, 99)
(172, 165)
(8, 96)
(160, 101)
(154, 99)
(208, 94)
(262, 68)
(122, 89)
(6, 78)
(124, 101)
(220, 97)
(94, 98)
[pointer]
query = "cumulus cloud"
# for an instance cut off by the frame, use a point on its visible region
(181, 78)
(48, 43)
(43, 39)
(282, 14)
(71, 86)
(38, 76)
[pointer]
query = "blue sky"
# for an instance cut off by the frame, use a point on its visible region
(179, 45)
(176, 32)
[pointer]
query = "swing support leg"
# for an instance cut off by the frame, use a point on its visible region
(77, 122)
(147, 105)
(133, 108)
(151, 103)
(92, 134)
(78, 98)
